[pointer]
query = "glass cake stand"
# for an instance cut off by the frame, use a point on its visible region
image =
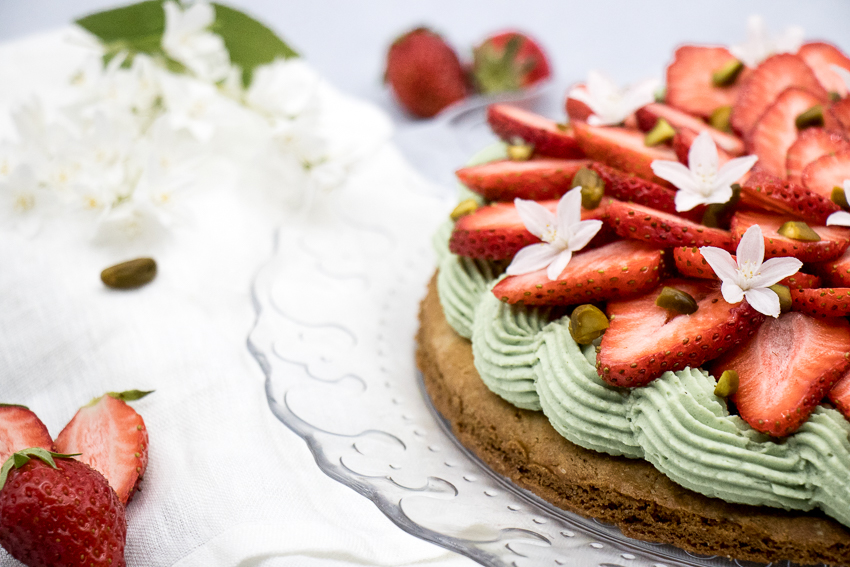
(337, 308)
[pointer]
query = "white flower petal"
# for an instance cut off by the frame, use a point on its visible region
(557, 266)
(537, 219)
(685, 200)
(640, 94)
(838, 218)
(702, 157)
(775, 269)
(569, 210)
(732, 292)
(751, 247)
(763, 300)
(675, 173)
(734, 169)
(583, 233)
(844, 74)
(721, 262)
(532, 258)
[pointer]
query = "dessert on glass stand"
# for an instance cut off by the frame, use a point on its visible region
(641, 315)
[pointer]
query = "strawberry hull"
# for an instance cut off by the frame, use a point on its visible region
(645, 340)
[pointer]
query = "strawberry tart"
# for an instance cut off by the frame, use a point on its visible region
(641, 314)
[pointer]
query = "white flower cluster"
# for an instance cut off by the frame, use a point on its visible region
(137, 137)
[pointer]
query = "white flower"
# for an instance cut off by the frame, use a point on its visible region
(760, 45)
(841, 218)
(284, 88)
(23, 203)
(193, 105)
(561, 235)
(750, 276)
(187, 40)
(702, 182)
(610, 104)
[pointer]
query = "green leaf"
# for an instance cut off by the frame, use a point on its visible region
(136, 28)
(129, 395)
(249, 42)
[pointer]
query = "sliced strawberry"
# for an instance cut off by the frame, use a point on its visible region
(834, 240)
(811, 144)
(827, 172)
(822, 302)
(836, 272)
(776, 130)
(112, 439)
(663, 229)
(787, 369)
(549, 138)
(689, 80)
(629, 187)
(622, 148)
(536, 179)
(20, 429)
(649, 115)
(644, 340)
(770, 193)
(619, 269)
(690, 263)
(683, 140)
(836, 117)
(840, 395)
(577, 110)
(820, 57)
(496, 232)
(766, 82)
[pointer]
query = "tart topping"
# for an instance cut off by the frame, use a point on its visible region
(798, 230)
(592, 187)
(661, 133)
(465, 207)
(610, 104)
(727, 384)
(587, 323)
(676, 300)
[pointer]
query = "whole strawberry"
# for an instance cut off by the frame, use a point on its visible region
(508, 61)
(424, 73)
(59, 512)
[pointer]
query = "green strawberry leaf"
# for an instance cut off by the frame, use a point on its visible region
(21, 458)
(129, 395)
(138, 28)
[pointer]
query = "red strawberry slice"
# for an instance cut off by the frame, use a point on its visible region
(767, 192)
(21, 429)
(644, 340)
(618, 269)
(629, 187)
(836, 118)
(577, 110)
(820, 57)
(834, 240)
(622, 148)
(689, 80)
(663, 229)
(536, 179)
(684, 139)
(766, 82)
(811, 144)
(836, 272)
(776, 130)
(549, 138)
(690, 263)
(496, 232)
(822, 302)
(827, 172)
(787, 369)
(839, 395)
(112, 439)
(649, 115)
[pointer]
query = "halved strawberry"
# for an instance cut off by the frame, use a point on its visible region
(770, 193)
(649, 115)
(820, 56)
(577, 110)
(836, 117)
(822, 302)
(840, 395)
(20, 429)
(619, 269)
(549, 138)
(834, 240)
(535, 179)
(827, 172)
(689, 80)
(787, 369)
(836, 272)
(663, 229)
(112, 439)
(496, 232)
(622, 148)
(811, 144)
(771, 77)
(776, 130)
(690, 263)
(682, 142)
(644, 340)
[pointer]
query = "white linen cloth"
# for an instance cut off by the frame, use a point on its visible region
(227, 483)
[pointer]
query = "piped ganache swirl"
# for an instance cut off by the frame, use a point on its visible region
(676, 422)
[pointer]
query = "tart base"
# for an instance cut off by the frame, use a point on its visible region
(631, 494)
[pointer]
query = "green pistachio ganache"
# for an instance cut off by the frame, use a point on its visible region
(527, 356)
